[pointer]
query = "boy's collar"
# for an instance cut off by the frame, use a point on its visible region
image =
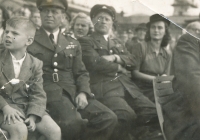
(20, 60)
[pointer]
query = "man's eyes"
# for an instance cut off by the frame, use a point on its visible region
(101, 18)
(52, 11)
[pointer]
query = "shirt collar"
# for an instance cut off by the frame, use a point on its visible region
(162, 50)
(62, 30)
(15, 60)
(106, 37)
(152, 50)
(55, 34)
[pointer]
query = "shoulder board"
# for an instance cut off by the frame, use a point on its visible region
(69, 35)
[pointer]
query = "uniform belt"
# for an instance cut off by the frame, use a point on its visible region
(52, 77)
(56, 77)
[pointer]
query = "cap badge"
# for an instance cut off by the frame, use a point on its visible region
(104, 7)
(49, 0)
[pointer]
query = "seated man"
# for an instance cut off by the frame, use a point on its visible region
(181, 113)
(107, 61)
(22, 98)
(66, 80)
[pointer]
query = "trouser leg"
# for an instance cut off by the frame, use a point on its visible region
(101, 121)
(67, 117)
(125, 115)
(147, 124)
(144, 108)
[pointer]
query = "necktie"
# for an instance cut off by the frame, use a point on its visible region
(51, 36)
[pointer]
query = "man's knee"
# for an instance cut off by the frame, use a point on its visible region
(112, 118)
(126, 116)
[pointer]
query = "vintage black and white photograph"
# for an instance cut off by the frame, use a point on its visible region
(99, 69)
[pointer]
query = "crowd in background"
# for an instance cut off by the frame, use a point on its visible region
(150, 44)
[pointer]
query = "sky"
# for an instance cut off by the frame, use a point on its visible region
(132, 7)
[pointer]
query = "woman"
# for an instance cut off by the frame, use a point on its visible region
(151, 57)
(4, 16)
(81, 25)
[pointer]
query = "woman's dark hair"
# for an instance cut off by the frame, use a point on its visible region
(5, 16)
(166, 37)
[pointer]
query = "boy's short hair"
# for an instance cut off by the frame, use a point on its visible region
(24, 22)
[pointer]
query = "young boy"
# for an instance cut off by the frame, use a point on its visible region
(22, 98)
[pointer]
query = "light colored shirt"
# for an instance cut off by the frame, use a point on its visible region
(106, 37)
(17, 64)
(55, 34)
(63, 30)
(1, 35)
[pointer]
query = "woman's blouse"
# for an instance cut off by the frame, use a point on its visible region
(146, 60)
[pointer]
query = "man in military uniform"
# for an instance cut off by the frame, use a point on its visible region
(140, 32)
(66, 80)
(107, 61)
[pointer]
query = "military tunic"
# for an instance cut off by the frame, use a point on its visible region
(110, 87)
(65, 76)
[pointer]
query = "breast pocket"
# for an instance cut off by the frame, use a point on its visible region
(118, 50)
(69, 57)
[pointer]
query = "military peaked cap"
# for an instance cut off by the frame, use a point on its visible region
(102, 8)
(54, 3)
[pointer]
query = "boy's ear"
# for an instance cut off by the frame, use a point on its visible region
(29, 41)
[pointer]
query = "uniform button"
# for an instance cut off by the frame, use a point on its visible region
(116, 74)
(101, 47)
(55, 70)
(111, 51)
(55, 64)
(122, 50)
(55, 55)
(70, 55)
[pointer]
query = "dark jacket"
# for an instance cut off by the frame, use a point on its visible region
(71, 72)
(104, 77)
(28, 100)
(181, 113)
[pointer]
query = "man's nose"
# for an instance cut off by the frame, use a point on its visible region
(103, 20)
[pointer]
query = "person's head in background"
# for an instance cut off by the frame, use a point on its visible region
(124, 37)
(81, 25)
(158, 30)
(130, 34)
(4, 16)
(35, 18)
(65, 23)
(19, 34)
(140, 31)
(194, 28)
